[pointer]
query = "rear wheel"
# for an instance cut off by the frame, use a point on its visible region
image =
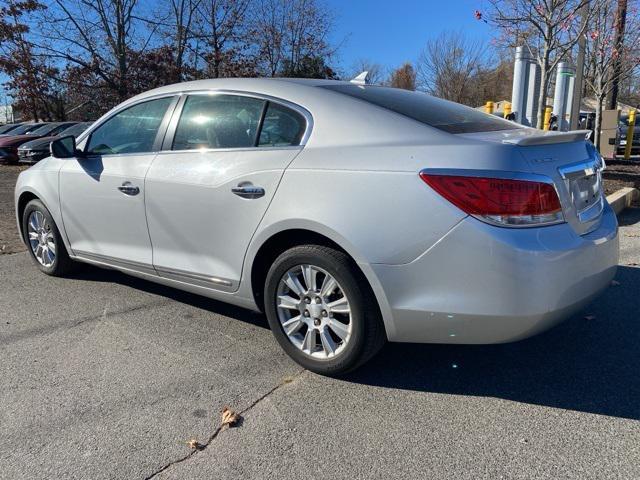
(43, 238)
(321, 310)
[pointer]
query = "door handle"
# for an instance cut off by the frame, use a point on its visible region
(248, 190)
(129, 189)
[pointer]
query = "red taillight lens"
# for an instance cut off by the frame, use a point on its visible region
(499, 200)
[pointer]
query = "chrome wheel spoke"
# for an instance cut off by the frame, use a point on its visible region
(309, 343)
(329, 284)
(339, 328)
(328, 345)
(41, 238)
(310, 275)
(290, 303)
(33, 236)
(340, 305)
(292, 325)
(294, 284)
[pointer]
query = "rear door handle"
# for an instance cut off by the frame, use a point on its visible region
(248, 190)
(129, 189)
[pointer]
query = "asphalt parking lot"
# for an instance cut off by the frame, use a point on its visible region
(107, 376)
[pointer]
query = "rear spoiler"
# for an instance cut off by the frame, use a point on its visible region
(549, 137)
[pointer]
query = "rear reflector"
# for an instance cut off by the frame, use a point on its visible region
(500, 201)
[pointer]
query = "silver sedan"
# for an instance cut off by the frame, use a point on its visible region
(350, 214)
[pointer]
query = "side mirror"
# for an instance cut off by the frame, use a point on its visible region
(64, 147)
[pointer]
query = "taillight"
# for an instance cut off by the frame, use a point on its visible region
(500, 201)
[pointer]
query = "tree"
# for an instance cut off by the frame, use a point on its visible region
(404, 77)
(28, 74)
(610, 60)
(182, 17)
(289, 32)
(550, 28)
(98, 36)
(449, 67)
(223, 30)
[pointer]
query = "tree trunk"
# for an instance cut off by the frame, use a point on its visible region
(621, 17)
(597, 127)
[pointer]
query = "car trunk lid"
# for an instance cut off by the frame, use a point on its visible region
(570, 161)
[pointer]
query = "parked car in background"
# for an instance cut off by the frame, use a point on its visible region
(8, 127)
(9, 143)
(35, 150)
(623, 128)
(350, 214)
(22, 129)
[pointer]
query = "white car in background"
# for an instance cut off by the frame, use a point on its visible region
(350, 214)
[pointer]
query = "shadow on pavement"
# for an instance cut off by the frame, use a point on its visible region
(95, 274)
(589, 365)
(631, 216)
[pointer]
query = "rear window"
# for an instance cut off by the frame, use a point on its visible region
(441, 114)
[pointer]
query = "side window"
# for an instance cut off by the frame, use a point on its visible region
(218, 121)
(282, 127)
(132, 130)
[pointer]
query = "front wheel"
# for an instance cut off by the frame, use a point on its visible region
(321, 310)
(43, 238)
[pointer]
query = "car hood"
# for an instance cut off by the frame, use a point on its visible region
(38, 144)
(15, 140)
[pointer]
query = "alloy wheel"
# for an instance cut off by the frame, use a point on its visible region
(41, 238)
(314, 311)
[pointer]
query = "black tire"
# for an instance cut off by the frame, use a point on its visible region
(368, 334)
(62, 264)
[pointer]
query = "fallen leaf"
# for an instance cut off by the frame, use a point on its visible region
(615, 283)
(589, 317)
(229, 417)
(194, 444)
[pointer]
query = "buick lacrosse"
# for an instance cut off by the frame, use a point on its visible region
(351, 214)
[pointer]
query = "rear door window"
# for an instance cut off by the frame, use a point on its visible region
(218, 121)
(444, 115)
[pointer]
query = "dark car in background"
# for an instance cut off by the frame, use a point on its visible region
(35, 150)
(623, 127)
(10, 142)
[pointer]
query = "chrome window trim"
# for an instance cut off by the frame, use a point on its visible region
(506, 175)
(166, 146)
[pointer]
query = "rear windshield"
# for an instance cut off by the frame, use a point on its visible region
(435, 112)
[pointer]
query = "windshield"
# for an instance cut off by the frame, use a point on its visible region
(7, 128)
(47, 129)
(435, 112)
(24, 128)
(75, 130)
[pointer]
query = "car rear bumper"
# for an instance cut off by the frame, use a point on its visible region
(484, 284)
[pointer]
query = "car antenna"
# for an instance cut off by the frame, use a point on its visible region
(361, 79)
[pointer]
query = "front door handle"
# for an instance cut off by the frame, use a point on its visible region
(129, 189)
(248, 190)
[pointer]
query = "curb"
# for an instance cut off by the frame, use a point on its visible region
(623, 198)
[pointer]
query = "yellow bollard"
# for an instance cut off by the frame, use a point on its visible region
(507, 109)
(547, 118)
(488, 108)
(630, 129)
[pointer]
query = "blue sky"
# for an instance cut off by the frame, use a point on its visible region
(392, 32)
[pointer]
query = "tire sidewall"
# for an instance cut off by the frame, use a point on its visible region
(37, 205)
(348, 282)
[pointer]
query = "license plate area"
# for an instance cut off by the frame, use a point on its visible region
(584, 184)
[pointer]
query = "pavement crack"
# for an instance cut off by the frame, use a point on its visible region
(16, 337)
(203, 446)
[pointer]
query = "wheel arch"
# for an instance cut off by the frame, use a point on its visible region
(271, 245)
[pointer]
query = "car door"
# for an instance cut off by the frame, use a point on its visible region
(207, 191)
(102, 192)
